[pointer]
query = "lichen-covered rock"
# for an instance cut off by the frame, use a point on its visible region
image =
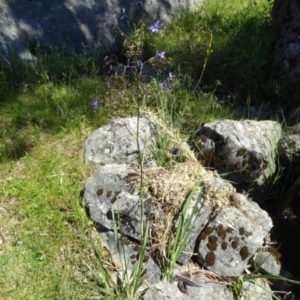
(244, 150)
(124, 256)
(108, 197)
(233, 236)
(267, 262)
(118, 142)
(214, 194)
(257, 288)
(169, 290)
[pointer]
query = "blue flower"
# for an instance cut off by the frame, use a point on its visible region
(164, 85)
(161, 55)
(95, 104)
(171, 76)
(154, 27)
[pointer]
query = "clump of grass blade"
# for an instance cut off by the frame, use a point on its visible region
(182, 233)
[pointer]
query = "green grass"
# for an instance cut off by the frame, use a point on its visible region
(45, 117)
(42, 224)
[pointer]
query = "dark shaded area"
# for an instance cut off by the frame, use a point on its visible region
(285, 214)
(244, 65)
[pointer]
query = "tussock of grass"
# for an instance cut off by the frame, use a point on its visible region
(169, 189)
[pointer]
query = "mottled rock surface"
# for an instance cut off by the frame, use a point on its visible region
(169, 290)
(233, 236)
(107, 197)
(245, 150)
(124, 255)
(117, 142)
(267, 263)
(209, 199)
(257, 288)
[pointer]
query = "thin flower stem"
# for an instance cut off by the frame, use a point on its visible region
(208, 52)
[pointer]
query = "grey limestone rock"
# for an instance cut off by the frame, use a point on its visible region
(245, 150)
(233, 236)
(118, 141)
(206, 209)
(198, 221)
(169, 290)
(86, 26)
(257, 288)
(109, 198)
(124, 257)
(267, 263)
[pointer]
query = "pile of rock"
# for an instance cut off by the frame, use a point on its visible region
(228, 230)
